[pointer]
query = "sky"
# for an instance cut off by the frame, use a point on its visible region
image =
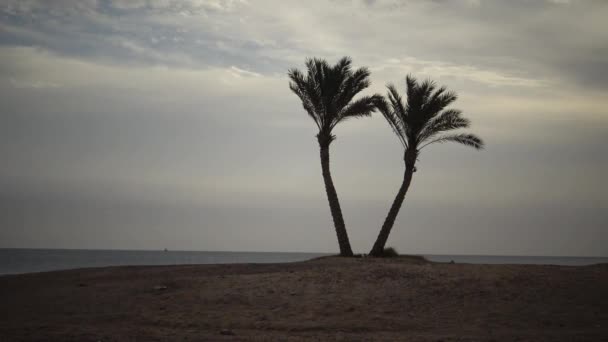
(158, 124)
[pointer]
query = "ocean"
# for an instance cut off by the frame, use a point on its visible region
(15, 261)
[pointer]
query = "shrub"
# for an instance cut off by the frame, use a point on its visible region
(390, 252)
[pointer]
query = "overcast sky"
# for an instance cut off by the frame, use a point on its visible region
(169, 124)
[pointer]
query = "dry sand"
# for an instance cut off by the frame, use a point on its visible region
(326, 299)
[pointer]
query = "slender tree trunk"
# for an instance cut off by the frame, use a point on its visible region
(334, 204)
(378, 248)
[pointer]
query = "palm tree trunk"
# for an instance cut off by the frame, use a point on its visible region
(334, 204)
(378, 248)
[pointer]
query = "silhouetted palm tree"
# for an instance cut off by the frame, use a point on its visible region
(421, 121)
(327, 94)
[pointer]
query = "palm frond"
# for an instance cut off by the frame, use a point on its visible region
(317, 75)
(361, 107)
(426, 89)
(300, 87)
(437, 102)
(448, 120)
(343, 66)
(394, 118)
(411, 85)
(396, 102)
(464, 139)
(417, 96)
(351, 86)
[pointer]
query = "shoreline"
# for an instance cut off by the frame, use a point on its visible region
(24, 261)
(327, 298)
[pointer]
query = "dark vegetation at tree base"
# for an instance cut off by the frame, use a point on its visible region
(389, 252)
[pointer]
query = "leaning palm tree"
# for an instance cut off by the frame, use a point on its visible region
(327, 94)
(422, 121)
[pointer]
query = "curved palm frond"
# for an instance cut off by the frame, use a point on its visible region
(465, 139)
(352, 86)
(299, 85)
(446, 121)
(361, 107)
(396, 101)
(437, 102)
(393, 115)
(410, 86)
(426, 89)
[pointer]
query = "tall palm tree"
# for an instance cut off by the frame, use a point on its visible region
(327, 94)
(422, 121)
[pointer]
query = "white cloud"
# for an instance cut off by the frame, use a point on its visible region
(238, 72)
(34, 84)
(437, 69)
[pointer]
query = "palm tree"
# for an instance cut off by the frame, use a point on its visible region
(422, 121)
(327, 94)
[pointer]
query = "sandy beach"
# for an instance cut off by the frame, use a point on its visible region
(325, 299)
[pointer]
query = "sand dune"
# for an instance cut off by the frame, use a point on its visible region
(324, 299)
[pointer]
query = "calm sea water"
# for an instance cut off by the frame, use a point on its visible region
(14, 261)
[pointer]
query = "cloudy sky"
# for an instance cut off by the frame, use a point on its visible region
(169, 124)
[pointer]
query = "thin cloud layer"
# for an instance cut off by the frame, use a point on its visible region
(557, 41)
